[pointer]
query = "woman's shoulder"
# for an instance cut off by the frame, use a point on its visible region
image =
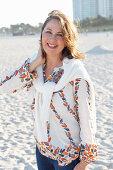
(81, 70)
(73, 62)
(76, 65)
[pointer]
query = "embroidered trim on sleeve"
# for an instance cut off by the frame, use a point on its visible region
(88, 153)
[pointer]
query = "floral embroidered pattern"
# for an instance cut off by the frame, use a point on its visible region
(68, 106)
(23, 74)
(76, 97)
(88, 91)
(33, 104)
(88, 153)
(63, 156)
(54, 77)
(67, 131)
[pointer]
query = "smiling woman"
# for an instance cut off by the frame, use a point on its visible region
(63, 101)
(63, 67)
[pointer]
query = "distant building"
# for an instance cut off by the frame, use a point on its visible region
(111, 8)
(83, 9)
(105, 8)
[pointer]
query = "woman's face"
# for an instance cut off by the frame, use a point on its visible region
(52, 38)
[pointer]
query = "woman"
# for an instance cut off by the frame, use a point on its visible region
(63, 98)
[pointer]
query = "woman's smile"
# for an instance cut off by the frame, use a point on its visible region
(51, 46)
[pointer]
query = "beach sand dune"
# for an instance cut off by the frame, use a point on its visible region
(17, 145)
(100, 50)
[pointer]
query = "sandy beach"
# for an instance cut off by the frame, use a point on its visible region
(17, 144)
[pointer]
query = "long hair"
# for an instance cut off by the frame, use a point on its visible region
(70, 35)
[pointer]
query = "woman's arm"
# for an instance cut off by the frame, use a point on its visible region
(23, 76)
(18, 79)
(87, 120)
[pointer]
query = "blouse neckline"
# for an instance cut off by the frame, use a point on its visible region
(55, 75)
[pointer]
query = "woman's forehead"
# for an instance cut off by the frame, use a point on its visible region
(54, 24)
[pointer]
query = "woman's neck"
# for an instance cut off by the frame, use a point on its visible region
(53, 62)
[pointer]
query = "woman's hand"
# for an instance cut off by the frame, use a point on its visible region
(81, 165)
(38, 61)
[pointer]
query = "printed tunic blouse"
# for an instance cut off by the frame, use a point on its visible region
(72, 126)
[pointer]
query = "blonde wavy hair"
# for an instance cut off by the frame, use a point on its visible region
(70, 35)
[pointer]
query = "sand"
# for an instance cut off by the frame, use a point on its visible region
(17, 144)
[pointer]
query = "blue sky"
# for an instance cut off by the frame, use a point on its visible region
(30, 11)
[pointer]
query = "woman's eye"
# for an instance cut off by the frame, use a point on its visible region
(48, 32)
(60, 35)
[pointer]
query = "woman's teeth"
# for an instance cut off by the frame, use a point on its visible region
(51, 45)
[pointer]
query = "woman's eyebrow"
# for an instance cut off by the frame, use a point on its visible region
(49, 29)
(60, 32)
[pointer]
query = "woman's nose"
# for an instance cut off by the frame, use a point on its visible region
(53, 36)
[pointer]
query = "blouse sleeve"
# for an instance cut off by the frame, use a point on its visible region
(85, 105)
(18, 79)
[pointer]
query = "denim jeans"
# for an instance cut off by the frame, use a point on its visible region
(45, 163)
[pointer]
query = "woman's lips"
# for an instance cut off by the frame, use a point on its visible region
(51, 45)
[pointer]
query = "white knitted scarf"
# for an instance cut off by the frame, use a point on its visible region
(73, 69)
